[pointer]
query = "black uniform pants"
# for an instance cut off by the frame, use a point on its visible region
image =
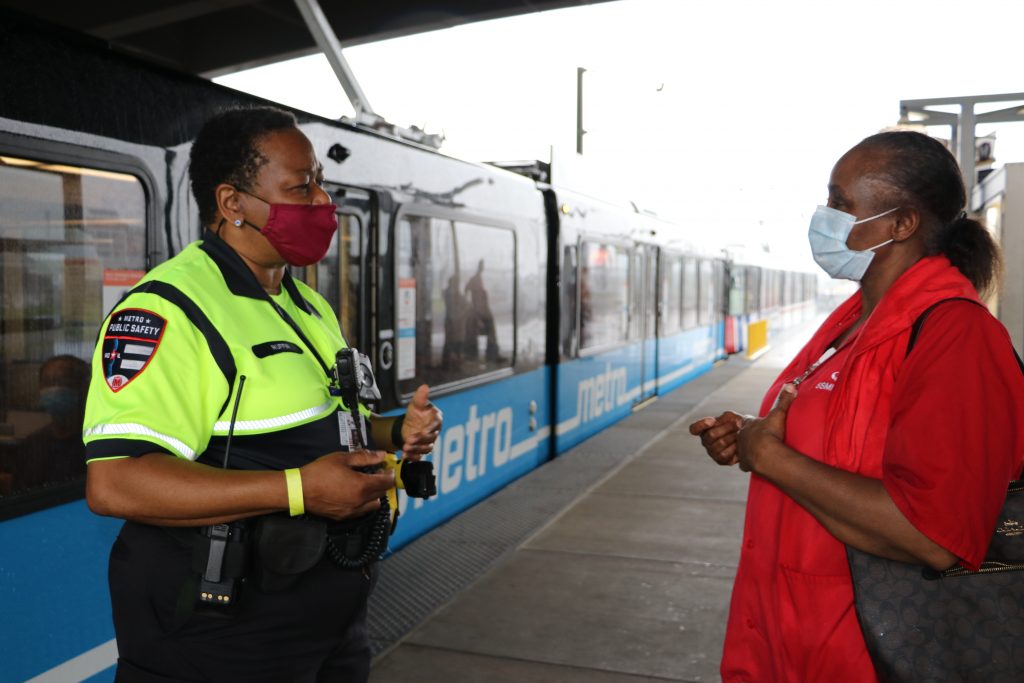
(314, 632)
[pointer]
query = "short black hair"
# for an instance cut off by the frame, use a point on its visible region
(226, 151)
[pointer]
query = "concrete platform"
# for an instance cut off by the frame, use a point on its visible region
(628, 581)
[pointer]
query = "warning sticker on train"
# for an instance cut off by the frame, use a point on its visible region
(132, 339)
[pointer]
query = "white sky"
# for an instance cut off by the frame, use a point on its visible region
(757, 101)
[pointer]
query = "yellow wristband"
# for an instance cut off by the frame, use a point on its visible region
(296, 504)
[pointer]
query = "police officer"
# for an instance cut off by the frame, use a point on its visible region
(220, 345)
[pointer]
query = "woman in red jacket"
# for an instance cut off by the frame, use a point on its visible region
(905, 456)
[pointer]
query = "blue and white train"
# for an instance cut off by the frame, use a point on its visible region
(538, 316)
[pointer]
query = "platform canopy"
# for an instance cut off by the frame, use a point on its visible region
(213, 37)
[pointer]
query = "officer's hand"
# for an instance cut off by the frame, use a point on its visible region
(422, 425)
(332, 488)
(718, 436)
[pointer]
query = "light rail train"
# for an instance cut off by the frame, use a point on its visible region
(537, 315)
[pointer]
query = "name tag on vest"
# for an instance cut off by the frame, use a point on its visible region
(274, 347)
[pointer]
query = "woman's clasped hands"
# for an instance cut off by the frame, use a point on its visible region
(733, 439)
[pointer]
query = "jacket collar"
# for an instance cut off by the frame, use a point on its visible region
(928, 281)
(240, 280)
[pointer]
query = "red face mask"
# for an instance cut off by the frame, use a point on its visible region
(301, 233)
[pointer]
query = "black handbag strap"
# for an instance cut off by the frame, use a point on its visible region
(916, 328)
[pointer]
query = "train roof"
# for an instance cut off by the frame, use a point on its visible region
(203, 37)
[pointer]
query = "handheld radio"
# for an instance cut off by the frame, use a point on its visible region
(225, 555)
(354, 377)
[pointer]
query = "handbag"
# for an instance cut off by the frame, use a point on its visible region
(923, 625)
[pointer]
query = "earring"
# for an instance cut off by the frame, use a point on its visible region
(238, 222)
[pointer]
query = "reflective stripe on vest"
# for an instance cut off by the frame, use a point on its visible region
(272, 423)
(132, 428)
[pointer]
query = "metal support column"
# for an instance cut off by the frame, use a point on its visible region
(329, 44)
(962, 138)
(579, 110)
(965, 147)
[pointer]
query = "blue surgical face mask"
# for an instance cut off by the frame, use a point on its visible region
(828, 232)
(59, 402)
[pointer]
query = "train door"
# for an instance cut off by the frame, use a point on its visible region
(645, 316)
(341, 277)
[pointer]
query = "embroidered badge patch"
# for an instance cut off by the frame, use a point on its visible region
(131, 341)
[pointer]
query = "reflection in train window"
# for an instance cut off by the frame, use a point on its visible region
(567, 311)
(72, 240)
(455, 300)
(690, 293)
(337, 276)
(604, 294)
(737, 289)
(753, 297)
(671, 293)
(708, 294)
(721, 286)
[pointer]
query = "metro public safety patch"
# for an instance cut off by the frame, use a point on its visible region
(131, 341)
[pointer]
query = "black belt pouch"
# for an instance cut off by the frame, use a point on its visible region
(286, 547)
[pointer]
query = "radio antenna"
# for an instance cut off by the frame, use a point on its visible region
(234, 414)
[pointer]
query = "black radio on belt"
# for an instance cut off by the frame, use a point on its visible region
(222, 558)
(224, 564)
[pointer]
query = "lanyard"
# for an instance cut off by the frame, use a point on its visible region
(289, 285)
(247, 284)
(829, 352)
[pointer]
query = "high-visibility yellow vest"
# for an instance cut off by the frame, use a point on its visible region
(167, 370)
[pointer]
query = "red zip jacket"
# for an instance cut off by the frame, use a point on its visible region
(941, 427)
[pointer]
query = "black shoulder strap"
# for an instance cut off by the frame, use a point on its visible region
(218, 347)
(916, 329)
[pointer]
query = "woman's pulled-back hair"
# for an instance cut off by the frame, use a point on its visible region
(226, 151)
(926, 176)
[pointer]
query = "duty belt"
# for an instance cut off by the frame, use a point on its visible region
(274, 550)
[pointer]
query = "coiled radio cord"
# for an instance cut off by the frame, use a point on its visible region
(375, 546)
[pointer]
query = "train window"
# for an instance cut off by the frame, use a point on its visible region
(671, 293)
(636, 290)
(721, 286)
(72, 240)
(737, 289)
(338, 275)
(489, 280)
(753, 287)
(604, 294)
(456, 300)
(691, 293)
(708, 296)
(568, 322)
